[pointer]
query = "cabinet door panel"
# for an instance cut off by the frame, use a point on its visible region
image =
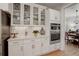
(44, 45)
(27, 48)
(15, 50)
(16, 13)
(26, 14)
(36, 46)
(35, 16)
(43, 17)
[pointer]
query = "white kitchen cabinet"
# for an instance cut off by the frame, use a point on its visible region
(43, 16)
(27, 14)
(16, 48)
(34, 17)
(54, 16)
(27, 47)
(20, 48)
(36, 46)
(40, 46)
(16, 14)
(44, 45)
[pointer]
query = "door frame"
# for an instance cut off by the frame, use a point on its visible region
(63, 25)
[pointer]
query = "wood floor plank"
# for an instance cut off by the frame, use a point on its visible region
(70, 50)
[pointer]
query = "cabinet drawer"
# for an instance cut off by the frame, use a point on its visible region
(16, 42)
(16, 50)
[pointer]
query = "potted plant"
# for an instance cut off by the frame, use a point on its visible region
(35, 32)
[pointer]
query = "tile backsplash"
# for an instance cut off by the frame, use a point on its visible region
(25, 31)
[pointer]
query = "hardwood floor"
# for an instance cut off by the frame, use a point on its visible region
(55, 53)
(70, 50)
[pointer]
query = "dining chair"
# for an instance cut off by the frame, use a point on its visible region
(69, 39)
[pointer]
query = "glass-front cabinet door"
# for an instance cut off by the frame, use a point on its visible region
(42, 17)
(26, 15)
(35, 16)
(16, 13)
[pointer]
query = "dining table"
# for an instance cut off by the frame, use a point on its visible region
(75, 37)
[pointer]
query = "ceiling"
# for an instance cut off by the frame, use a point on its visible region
(56, 6)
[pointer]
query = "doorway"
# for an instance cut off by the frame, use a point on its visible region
(72, 28)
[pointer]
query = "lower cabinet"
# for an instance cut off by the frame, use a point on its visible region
(44, 45)
(37, 46)
(20, 48)
(28, 48)
(15, 50)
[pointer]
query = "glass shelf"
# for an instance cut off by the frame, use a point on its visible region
(43, 17)
(16, 6)
(16, 13)
(26, 15)
(35, 16)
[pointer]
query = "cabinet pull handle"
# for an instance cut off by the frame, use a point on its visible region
(33, 46)
(41, 44)
(21, 48)
(15, 42)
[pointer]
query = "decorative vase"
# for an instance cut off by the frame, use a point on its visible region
(42, 31)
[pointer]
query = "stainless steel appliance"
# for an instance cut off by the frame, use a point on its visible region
(4, 31)
(54, 33)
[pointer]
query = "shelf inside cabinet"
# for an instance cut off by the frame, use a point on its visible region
(16, 6)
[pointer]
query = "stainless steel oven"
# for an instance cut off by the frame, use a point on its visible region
(54, 33)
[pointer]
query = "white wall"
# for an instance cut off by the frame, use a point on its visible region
(70, 15)
(70, 24)
(4, 6)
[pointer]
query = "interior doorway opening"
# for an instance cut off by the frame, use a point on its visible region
(72, 25)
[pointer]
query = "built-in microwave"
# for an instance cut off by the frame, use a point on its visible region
(55, 26)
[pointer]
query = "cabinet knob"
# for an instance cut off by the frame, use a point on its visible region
(33, 46)
(21, 48)
(15, 42)
(41, 44)
(76, 10)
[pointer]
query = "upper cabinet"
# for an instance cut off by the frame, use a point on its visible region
(43, 17)
(26, 17)
(27, 14)
(35, 16)
(54, 16)
(16, 13)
